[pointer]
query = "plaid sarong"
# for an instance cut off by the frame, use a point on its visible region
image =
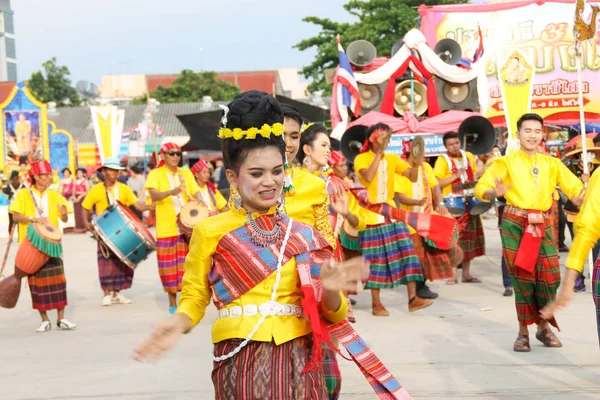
(436, 264)
(48, 286)
(532, 290)
(392, 255)
(333, 376)
(264, 370)
(171, 254)
(596, 293)
(472, 239)
(114, 274)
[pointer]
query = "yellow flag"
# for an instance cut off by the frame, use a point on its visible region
(516, 83)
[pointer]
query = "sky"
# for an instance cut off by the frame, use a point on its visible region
(154, 37)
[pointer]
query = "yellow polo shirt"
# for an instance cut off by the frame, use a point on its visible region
(196, 293)
(515, 169)
(166, 217)
(443, 171)
(97, 197)
(24, 204)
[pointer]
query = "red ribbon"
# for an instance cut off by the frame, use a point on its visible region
(387, 106)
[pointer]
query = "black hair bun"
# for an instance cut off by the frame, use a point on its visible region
(253, 109)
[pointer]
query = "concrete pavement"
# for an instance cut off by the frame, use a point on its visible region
(459, 348)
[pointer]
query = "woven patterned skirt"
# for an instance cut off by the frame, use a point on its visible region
(472, 239)
(532, 290)
(390, 251)
(596, 293)
(171, 254)
(435, 263)
(114, 274)
(48, 286)
(265, 371)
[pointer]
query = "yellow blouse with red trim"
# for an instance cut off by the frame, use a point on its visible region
(310, 203)
(196, 293)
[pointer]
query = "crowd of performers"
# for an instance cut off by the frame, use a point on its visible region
(281, 257)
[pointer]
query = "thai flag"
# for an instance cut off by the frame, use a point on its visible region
(479, 51)
(349, 87)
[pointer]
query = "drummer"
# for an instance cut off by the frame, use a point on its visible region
(115, 275)
(212, 197)
(454, 168)
(171, 187)
(36, 204)
(425, 195)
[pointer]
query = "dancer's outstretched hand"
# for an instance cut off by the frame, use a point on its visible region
(164, 336)
(345, 275)
(565, 296)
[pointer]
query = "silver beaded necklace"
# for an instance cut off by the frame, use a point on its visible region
(262, 237)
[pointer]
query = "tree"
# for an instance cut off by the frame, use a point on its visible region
(54, 84)
(381, 22)
(191, 86)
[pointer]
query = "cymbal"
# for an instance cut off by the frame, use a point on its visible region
(465, 186)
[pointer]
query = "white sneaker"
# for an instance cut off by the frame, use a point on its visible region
(44, 327)
(106, 301)
(65, 325)
(121, 299)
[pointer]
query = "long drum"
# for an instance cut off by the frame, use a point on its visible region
(190, 215)
(42, 242)
(124, 234)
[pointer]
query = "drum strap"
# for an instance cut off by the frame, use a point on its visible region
(111, 199)
(43, 199)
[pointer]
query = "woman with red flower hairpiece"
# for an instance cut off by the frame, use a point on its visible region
(213, 199)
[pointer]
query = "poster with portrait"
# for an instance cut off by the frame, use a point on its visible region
(22, 133)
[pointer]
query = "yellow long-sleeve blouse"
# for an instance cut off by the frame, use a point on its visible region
(516, 169)
(587, 226)
(196, 293)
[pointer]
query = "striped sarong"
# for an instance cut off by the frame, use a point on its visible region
(596, 293)
(48, 286)
(264, 370)
(333, 376)
(534, 290)
(436, 264)
(171, 252)
(392, 255)
(472, 239)
(114, 274)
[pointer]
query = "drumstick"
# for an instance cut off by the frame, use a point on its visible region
(10, 238)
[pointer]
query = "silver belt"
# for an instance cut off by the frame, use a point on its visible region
(268, 308)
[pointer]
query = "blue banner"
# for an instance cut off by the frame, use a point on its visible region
(434, 145)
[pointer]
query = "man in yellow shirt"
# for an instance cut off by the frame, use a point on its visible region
(114, 274)
(386, 245)
(211, 196)
(457, 167)
(170, 188)
(587, 227)
(48, 286)
(527, 180)
(425, 195)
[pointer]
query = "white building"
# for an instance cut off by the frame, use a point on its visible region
(8, 48)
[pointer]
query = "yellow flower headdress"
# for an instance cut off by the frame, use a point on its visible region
(265, 131)
(306, 126)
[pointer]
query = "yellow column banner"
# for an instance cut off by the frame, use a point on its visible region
(516, 84)
(108, 127)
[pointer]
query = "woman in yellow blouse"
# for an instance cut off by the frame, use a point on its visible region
(269, 322)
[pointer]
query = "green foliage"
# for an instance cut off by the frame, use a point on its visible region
(381, 22)
(190, 86)
(54, 84)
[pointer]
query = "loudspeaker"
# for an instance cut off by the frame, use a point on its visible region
(478, 133)
(457, 96)
(371, 96)
(361, 53)
(402, 101)
(448, 51)
(352, 141)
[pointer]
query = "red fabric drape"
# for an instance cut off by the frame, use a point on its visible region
(387, 105)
